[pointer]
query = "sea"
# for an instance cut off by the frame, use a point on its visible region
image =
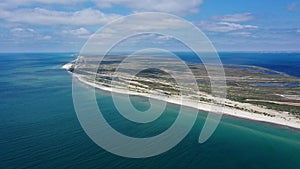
(39, 127)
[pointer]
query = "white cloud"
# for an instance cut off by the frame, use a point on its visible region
(298, 30)
(140, 23)
(165, 37)
(245, 34)
(77, 32)
(39, 16)
(23, 32)
(180, 7)
(241, 33)
(236, 17)
(47, 37)
(150, 29)
(224, 26)
(28, 33)
(16, 3)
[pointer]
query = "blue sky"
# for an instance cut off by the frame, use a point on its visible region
(231, 25)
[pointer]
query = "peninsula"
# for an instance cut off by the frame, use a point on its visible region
(253, 93)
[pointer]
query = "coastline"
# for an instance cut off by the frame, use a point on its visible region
(280, 118)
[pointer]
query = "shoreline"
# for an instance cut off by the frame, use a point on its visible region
(206, 107)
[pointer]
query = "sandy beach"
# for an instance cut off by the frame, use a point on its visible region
(279, 118)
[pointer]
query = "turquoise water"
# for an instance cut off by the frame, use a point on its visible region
(39, 127)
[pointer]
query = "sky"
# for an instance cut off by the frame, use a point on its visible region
(231, 25)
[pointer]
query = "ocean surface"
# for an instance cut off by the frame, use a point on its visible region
(39, 127)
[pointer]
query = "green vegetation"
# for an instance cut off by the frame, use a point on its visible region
(246, 84)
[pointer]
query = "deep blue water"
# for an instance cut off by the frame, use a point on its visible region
(288, 63)
(39, 127)
(276, 84)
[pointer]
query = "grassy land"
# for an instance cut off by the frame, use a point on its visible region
(243, 82)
